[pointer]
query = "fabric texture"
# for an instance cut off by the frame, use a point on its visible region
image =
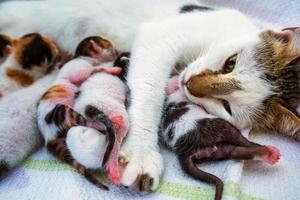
(43, 177)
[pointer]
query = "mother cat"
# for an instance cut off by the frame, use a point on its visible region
(227, 57)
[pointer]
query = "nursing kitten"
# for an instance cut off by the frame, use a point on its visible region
(31, 57)
(19, 109)
(55, 110)
(102, 97)
(5, 46)
(160, 34)
(196, 137)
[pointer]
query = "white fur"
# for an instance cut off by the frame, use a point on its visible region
(87, 146)
(19, 134)
(157, 37)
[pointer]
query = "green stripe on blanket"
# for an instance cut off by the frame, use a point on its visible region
(177, 190)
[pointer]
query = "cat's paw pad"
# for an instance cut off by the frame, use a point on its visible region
(143, 170)
(273, 155)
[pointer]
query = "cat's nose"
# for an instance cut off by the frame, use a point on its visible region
(197, 87)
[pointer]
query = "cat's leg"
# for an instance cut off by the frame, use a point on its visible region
(156, 49)
(152, 59)
(59, 149)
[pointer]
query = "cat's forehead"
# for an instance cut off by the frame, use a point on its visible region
(244, 46)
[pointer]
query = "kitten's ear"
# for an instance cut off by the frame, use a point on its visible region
(287, 122)
(95, 49)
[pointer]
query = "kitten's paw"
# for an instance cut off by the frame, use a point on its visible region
(143, 170)
(113, 173)
(273, 155)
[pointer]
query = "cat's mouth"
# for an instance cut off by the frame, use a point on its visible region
(227, 106)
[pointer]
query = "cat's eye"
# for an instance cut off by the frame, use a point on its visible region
(230, 64)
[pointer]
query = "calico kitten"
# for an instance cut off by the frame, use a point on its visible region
(31, 56)
(5, 46)
(55, 110)
(102, 96)
(197, 137)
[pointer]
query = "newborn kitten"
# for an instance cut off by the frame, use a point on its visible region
(102, 97)
(5, 47)
(55, 111)
(31, 57)
(196, 137)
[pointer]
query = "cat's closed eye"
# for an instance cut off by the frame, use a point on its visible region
(230, 63)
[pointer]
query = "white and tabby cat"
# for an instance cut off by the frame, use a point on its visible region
(159, 34)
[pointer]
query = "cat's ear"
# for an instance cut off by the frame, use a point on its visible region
(287, 122)
(287, 40)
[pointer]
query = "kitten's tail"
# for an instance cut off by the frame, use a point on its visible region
(189, 166)
(98, 116)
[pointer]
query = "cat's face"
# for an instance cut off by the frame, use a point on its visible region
(249, 73)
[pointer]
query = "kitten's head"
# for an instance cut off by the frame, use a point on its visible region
(5, 46)
(97, 48)
(35, 53)
(256, 75)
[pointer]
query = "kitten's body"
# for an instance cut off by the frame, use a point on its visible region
(31, 57)
(56, 115)
(19, 109)
(196, 136)
(104, 93)
(158, 36)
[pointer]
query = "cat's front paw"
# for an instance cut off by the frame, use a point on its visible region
(144, 168)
